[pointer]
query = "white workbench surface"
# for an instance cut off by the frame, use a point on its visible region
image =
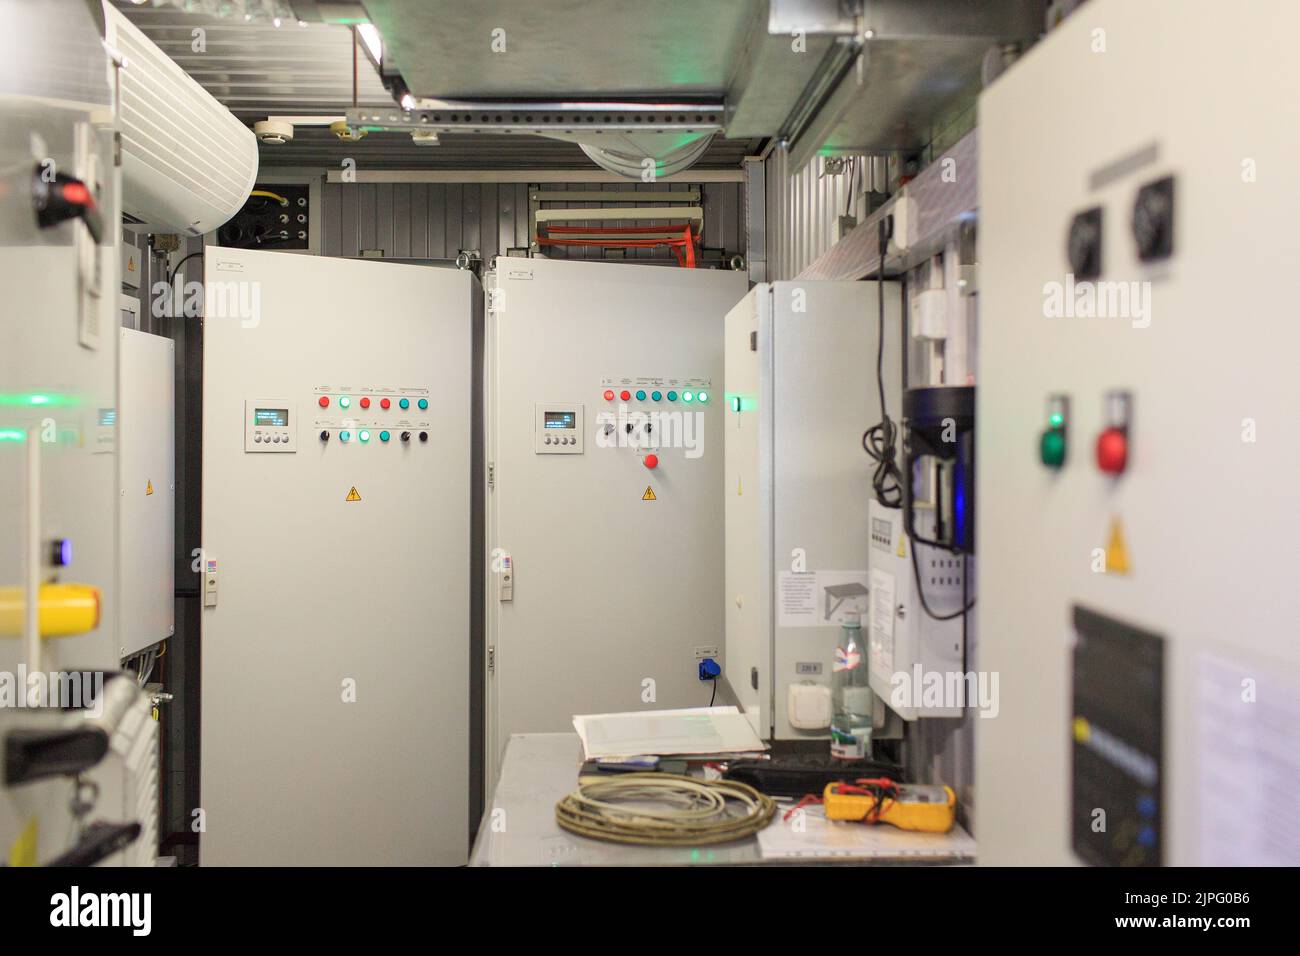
(539, 769)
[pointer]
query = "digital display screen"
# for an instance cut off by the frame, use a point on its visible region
(271, 416)
(559, 420)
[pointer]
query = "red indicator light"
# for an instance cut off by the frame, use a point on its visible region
(651, 461)
(384, 403)
(1112, 451)
(365, 403)
(609, 394)
(324, 401)
(625, 395)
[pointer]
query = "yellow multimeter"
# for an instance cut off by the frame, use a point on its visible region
(924, 808)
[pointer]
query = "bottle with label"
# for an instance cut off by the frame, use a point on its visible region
(850, 693)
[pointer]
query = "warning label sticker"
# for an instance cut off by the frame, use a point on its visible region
(353, 495)
(148, 487)
(649, 494)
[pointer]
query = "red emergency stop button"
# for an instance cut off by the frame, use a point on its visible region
(384, 403)
(323, 401)
(625, 395)
(651, 461)
(365, 403)
(1112, 451)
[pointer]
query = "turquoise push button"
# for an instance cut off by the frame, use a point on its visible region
(424, 403)
(656, 395)
(672, 396)
(405, 403)
(640, 395)
(344, 436)
(383, 436)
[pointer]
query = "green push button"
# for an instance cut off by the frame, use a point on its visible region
(1052, 448)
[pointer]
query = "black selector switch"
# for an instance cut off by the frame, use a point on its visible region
(1153, 220)
(424, 436)
(324, 435)
(1083, 247)
(406, 436)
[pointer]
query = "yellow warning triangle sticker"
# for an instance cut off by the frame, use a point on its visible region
(353, 495)
(1116, 550)
(902, 549)
(649, 494)
(148, 488)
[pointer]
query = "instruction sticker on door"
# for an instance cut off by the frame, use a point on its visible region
(881, 641)
(820, 598)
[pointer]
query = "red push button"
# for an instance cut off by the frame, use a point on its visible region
(609, 394)
(365, 403)
(323, 401)
(1112, 451)
(625, 395)
(384, 403)
(651, 461)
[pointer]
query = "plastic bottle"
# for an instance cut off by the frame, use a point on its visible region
(851, 698)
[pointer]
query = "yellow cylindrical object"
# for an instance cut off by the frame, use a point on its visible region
(65, 609)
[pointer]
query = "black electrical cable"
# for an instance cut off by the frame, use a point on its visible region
(880, 440)
(179, 264)
(715, 692)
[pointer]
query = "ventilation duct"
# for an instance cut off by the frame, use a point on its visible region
(187, 163)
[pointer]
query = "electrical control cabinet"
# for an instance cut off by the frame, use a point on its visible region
(915, 657)
(58, 406)
(800, 391)
(1138, 540)
(605, 512)
(146, 420)
(336, 568)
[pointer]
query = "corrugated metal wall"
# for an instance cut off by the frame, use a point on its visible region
(437, 220)
(803, 209)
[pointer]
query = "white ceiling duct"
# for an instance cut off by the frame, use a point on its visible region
(642, 156)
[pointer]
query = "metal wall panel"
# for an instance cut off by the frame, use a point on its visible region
(437, 220)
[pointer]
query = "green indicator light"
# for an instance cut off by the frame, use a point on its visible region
(640, 395)
(383, 436)
(703, 397)
(1057, 420)
(12, 434)
(344, 402)
(688, 396)
(672, 396)
(423, 403)
(735, 403)
(364, 435)
(656, 395)
(405, 403)
(344, 436)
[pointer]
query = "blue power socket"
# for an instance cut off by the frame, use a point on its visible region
(709, 669)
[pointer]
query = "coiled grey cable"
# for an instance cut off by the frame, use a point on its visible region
(663, 809)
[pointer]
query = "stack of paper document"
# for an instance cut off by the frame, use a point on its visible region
(712, 731)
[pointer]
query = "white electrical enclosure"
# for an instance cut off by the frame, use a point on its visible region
(146, 420)
(336, 574)
(800, 391)
(617, 566)
(1194, 599)
(905, 645)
